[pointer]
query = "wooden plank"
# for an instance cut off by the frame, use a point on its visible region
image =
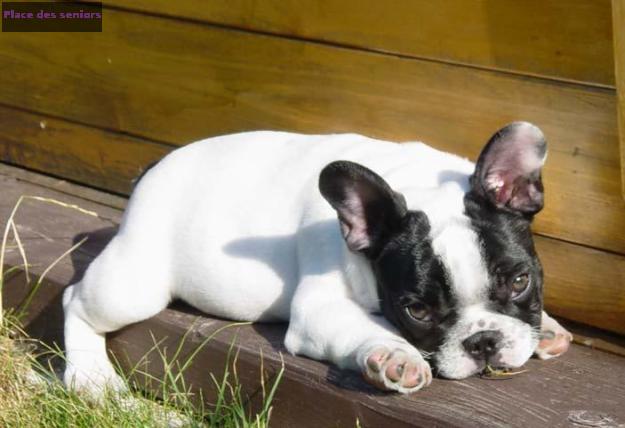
(63, 186)
(575, 275)
(562, 40)
(589, 379)
(47, 231)
(618, 20)
(109, 160)
(85, 154)
(231, 81)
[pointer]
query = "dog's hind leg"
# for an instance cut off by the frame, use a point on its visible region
(87, 365)
(115, 291)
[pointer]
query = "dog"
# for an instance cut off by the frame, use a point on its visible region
(390, 259)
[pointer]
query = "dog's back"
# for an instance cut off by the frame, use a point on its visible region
(219, 218)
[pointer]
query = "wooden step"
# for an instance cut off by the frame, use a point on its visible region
(584, 385)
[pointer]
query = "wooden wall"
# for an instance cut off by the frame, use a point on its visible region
(98, 107)
(618, 20)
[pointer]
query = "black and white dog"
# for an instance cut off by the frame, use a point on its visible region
(396, 258)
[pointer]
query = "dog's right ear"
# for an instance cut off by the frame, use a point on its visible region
(368, 209)
(508, 171)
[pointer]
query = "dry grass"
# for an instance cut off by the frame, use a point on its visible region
(31, 395)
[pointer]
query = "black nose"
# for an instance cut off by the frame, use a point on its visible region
(484, 344)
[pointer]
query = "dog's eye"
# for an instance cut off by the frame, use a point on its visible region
(520, 284)
(419, 312)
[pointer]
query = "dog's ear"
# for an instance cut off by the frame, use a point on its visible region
(368, 209)
(508, 171)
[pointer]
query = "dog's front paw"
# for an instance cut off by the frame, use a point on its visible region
(555, 339)
(396, 369)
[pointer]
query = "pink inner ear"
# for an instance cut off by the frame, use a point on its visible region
(357, 241)
(354, 234)
(496, 183)
(353, 223)
(512, 189)
(512, 168)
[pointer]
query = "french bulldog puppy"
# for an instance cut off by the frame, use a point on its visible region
(391, 259)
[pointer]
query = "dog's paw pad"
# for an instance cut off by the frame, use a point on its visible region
(397, 370)
(553, 344)
(376, 359)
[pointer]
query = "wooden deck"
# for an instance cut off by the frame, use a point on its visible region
(584, 388)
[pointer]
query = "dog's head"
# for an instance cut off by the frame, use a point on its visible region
(466, 289)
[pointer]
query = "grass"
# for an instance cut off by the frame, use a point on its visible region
(494, 373)
(31, 394)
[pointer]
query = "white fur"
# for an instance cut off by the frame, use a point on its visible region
(236, 226)
(519, 342)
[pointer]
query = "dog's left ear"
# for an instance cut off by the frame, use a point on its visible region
(368, 209)
(508, 171)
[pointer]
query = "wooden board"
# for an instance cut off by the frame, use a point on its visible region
(555, 393)
(103, 159)
(588, 379)
(63, 186)
(229, 81)
(561, 40)
(110, 160)
(618, 17)
(575, 276)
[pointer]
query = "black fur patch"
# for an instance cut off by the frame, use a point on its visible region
(508, 250)
(407, 273)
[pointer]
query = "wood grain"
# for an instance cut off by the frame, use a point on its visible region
(81, 153)
(563, 40)
(618, 20)
(587, 378)
(575, 276)
(63, 186)
(194, 81)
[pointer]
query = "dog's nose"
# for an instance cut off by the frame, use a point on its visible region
(484, 344)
